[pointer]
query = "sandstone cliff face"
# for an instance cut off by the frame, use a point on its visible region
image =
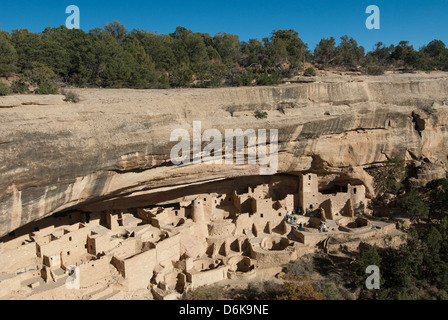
(115, 144)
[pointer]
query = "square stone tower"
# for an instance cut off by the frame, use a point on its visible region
(308, 191)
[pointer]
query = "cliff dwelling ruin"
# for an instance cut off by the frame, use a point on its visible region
(184, 243)
(88, 193)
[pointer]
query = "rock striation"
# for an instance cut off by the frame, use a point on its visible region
(114, 145)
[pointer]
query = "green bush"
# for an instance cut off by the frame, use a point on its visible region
(4, 89)
(242, 80)
(310, 72)
(415, 204)
(39, 74)
(70, 96)
(20, 87)
(114, 57)
(439, 199)
(260, 114)
(206, 293)
(442, 295)
(47, 88)
(329, 290)
(368, 255)
(266, 79)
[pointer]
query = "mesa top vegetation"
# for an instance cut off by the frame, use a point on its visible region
(115, 57)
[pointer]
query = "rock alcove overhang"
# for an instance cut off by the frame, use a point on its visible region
(115, 144)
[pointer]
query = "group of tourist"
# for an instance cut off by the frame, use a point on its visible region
(292, 219)
(323, 227)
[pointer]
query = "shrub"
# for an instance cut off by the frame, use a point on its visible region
(266, 79)
(439, 199)
(442, 295)
(368, 255)
(310, 72)
(375, 70)
(261, 114)
(206, 293)
(46, 88)
(300, 268)
(255, 290)
(415, 204)
(390, 178)
(231, 110)
(39, 74)
(244, 79)
(19, 86)
(300, 289)
(71, 96)
(330, 291)
(4, 89)
(267, 290)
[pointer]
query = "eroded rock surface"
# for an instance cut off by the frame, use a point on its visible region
(115, 145)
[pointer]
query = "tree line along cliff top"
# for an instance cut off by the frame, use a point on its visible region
(114, 57)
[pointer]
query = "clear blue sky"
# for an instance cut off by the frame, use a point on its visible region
(417, 21)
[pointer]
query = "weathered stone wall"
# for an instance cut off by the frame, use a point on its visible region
(208, 277)
(94, 271)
